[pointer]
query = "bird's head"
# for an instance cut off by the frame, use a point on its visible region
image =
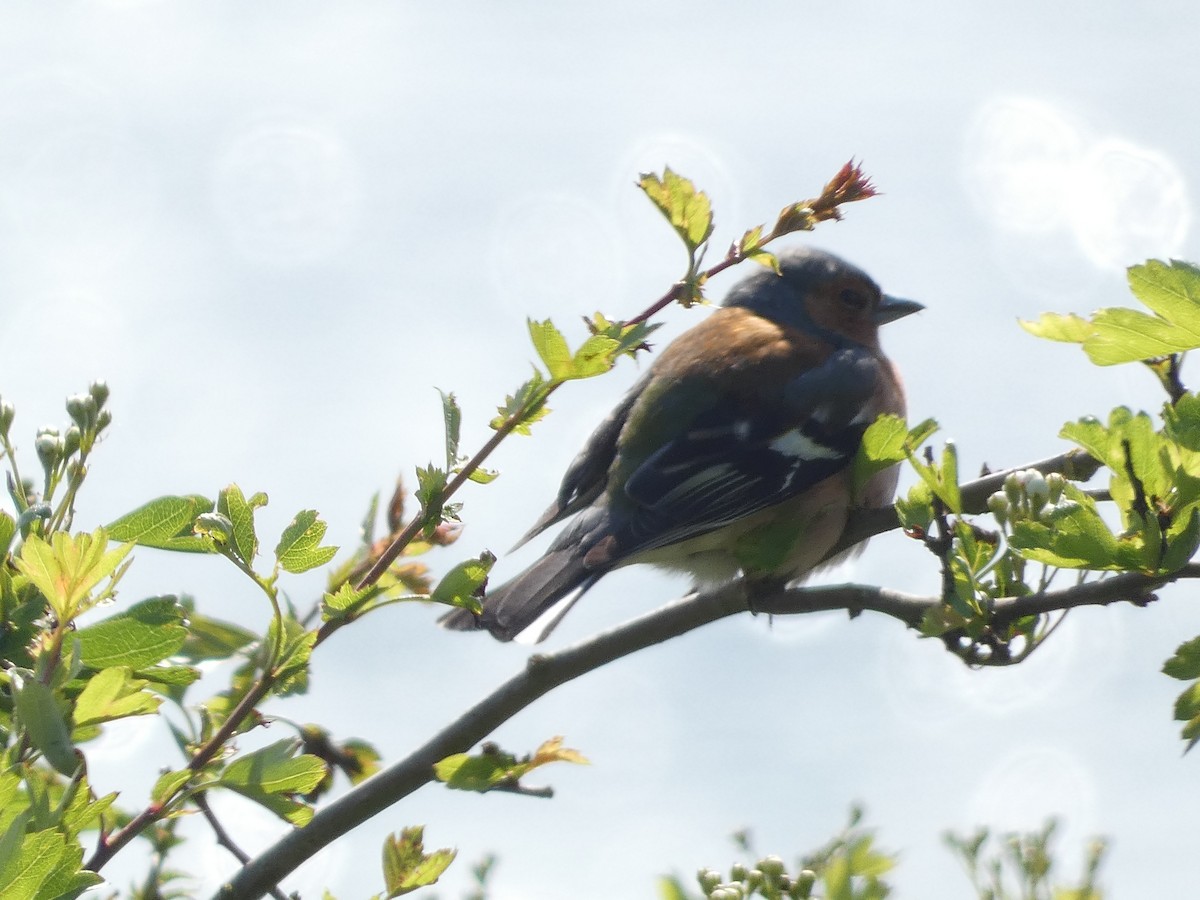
(820, 293)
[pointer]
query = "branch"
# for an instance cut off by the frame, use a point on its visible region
(545, 672)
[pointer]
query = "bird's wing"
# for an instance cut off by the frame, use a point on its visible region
(732, 462)
(587, 475)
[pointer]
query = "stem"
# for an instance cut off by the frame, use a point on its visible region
(405, 537)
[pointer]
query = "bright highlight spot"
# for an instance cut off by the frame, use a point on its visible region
(1036, 172)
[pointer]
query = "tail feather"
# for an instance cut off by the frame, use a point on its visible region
(517, 604)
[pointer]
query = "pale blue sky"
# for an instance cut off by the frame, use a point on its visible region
(274, 228)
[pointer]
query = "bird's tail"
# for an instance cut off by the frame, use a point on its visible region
(540, 595)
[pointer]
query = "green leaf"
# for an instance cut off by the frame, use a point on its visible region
(1075, 536)
(595, 356)
(66, 568)
(1185, 663)
(687, 209)
(1173, 291)
(1051, 326)
(291, 668)
(1126, 335)
(406, 865)
(299, 547)
(233, 504)
(81, 812)
(8, 530)
(42, 719)
(431, 489)
(113, 694)
(493, 766)
(942, 479)
(462, 585)
(212, 639)
(24, 873)
(882, 446)
(147, 633)
(164, 523)
(271, 775)
(527, 405)
(168, 784)
(915, 509)
(552, 348)
(766, 259)
(452, 417)
(335, 604)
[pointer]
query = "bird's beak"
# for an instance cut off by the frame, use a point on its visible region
(892, 308)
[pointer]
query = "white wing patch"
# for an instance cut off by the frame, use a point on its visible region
(800, 446)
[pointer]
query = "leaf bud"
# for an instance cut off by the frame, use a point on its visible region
(71, 440)
(1056, 483)
(82, 410)
(99, 391)
(771, 867)
(49, 447)
(998, 506)
(709, 879)
(1014, 489)
(1036, 490)
(805, 881)
(215, 526)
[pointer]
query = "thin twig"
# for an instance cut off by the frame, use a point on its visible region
(225, 840)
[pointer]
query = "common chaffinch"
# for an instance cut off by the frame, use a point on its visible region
(732, 454)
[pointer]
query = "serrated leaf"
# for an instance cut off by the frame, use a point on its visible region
(164, 523)
(882, 446)
(233, 504)
(147, 633)
(168, 784)
(915, 509)
(462, 584)
(291, 668)
(688, 210)
(406, 865)
(113, 694)
(493, 766)
(1185, 663)
(595, 356)
(39, 854)
(270, 775)
(750, 240)
(299, 548)
(527, 405)
(1071, 328)
(1127, 335)
(941, 479)
(42, 719)
(452, 420)
(431, 488)
(335, 604)
(1172, 290)
(66, 568)
(766, 259)
(552, 349)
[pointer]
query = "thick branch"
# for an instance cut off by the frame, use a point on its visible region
(543, 673)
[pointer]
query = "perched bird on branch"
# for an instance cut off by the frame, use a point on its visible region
(731, 455)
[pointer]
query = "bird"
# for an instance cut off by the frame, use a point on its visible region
(730, 457)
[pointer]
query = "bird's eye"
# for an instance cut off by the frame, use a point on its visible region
(855, 300)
